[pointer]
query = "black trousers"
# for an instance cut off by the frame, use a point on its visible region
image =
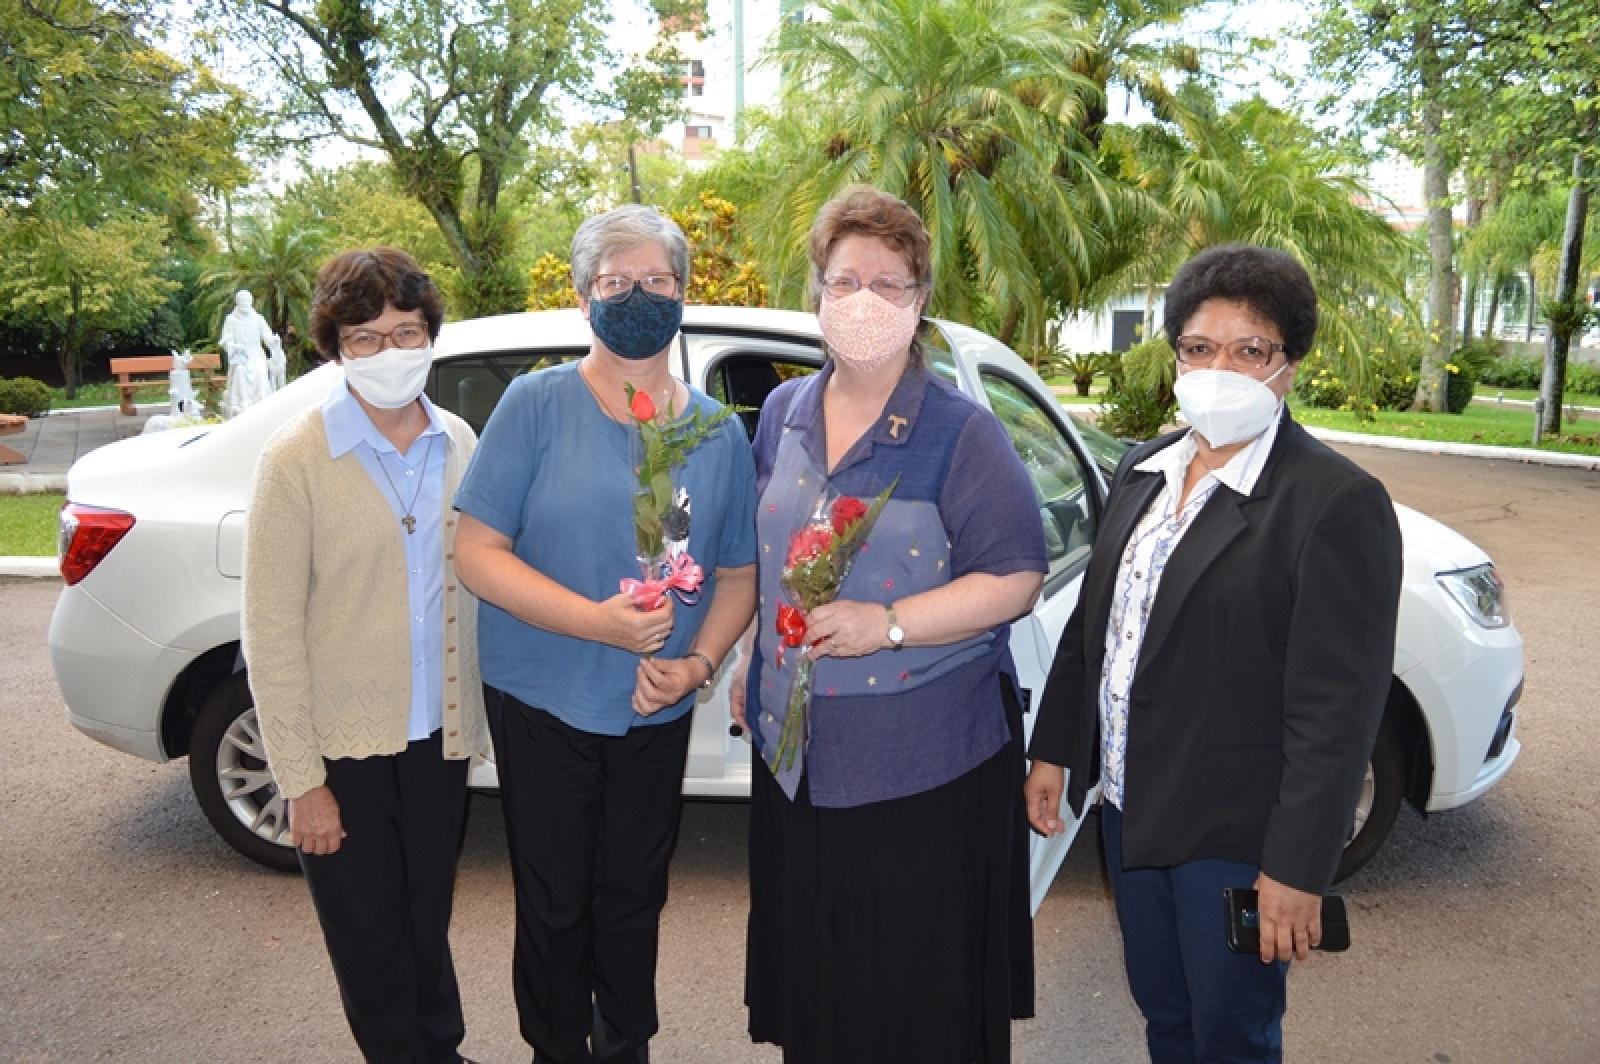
(384, 899)
(591, 823)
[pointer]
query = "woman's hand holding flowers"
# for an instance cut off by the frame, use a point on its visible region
(846, 629)
(625, 626)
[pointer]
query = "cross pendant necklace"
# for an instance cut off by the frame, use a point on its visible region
(409, 520)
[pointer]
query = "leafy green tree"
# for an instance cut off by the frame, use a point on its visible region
(76, 283)
(104, 142)
(453, 94)
(970, 110)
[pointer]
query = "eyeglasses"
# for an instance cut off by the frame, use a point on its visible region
(900, 293)
(1252, 352)
(611, 287)
(409, 335)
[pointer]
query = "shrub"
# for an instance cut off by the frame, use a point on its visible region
(1316, 384)
(1459, 386)
(1512, 371)
(24, 396)
(1583, 378)
(1139, 399)
(1393, 379)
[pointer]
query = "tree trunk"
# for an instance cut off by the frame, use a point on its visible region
(1469, 296)
(1553, 386)
(1533, 304)
(1497, 286)
(1432, 378)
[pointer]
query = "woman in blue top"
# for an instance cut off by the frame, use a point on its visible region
(588, 694)
(888, 859)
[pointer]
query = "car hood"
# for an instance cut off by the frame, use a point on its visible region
(1433, 547)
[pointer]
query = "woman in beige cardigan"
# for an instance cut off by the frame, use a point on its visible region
(362, 650)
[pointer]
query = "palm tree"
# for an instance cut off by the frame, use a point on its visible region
(970, 110)
(276, 262)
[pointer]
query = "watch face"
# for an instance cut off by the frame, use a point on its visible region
(897, 635)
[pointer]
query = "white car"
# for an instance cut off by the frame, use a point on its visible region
(145, 637)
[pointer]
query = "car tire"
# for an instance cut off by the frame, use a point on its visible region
(1379, 803)
(228, 771)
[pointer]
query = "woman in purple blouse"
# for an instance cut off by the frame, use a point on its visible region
(888, 858)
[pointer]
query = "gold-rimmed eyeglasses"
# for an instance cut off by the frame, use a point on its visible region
(1252, 352)
(409, 335)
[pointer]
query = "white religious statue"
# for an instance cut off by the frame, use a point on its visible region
(181, 399)
(277, 365)
(244, 334)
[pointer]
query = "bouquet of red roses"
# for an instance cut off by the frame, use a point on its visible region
(660, 512)
(820, 555)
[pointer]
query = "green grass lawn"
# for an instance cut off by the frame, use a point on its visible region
(1482, 423)
(28, 524)
(103, 393)
(1487, 393)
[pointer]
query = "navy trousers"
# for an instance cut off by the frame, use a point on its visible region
(384, 900)
(1200, 1002)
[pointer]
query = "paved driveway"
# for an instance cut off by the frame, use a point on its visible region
(128, 931)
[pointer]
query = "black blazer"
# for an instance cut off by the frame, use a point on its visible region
(1263, 673)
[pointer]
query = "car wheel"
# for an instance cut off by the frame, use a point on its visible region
(1379, 802)
(228, 771)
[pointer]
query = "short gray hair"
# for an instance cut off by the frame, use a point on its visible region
(620, 229)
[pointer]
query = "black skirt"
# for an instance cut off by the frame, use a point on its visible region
(895, 931)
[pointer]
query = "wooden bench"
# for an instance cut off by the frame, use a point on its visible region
(10, 425)
(140, 372)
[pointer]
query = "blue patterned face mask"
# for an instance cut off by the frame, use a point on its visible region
(637, 326)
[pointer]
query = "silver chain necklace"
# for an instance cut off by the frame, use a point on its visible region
(409, 520)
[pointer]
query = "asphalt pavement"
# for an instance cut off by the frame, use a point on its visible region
(130, 932)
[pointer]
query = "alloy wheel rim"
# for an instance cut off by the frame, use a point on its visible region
(246, 781)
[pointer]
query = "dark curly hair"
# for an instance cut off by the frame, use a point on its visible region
(355, 286)
(1271, 283)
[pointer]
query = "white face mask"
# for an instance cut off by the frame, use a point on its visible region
(392, 378)
(1227, 407)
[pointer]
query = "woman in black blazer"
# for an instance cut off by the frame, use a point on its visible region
(1226, 667)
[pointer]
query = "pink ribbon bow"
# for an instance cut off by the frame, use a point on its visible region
(683, 576)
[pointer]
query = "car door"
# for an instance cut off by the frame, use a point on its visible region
(1068, 492)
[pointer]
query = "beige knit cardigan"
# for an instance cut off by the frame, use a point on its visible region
(326, 637)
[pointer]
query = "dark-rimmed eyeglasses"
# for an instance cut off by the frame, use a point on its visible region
(409, 335)
(1253, 352)
(611, 287)
(900, 293)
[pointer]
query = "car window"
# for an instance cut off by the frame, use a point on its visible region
(471, 386)
(936, 352)
(1105, 449)
(1059, 477)
(744, 379)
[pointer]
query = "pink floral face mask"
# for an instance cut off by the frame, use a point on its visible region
(865, 329)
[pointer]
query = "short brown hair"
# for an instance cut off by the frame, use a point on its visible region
(354, 286)
(867, 211)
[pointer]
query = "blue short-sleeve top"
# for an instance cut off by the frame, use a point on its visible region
(895, 722)
(555, 474)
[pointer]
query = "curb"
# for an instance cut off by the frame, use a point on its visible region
(36, 568)
(1463, 450)
(32, 483)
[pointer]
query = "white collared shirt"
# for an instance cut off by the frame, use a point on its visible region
(1138, 579)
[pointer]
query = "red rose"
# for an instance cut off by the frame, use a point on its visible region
(641, 407)
(808, 543)
(791, 625)
(847, 510)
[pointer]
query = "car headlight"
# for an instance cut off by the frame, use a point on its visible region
(1480, 592)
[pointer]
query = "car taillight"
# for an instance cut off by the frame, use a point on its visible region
(87, 535)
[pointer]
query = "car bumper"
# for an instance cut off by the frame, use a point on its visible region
(113, 679)
(1469, 692)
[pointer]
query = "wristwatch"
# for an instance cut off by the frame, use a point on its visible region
(897, 635)
(711, 669)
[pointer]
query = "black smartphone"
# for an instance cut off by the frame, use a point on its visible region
(1243, 915)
